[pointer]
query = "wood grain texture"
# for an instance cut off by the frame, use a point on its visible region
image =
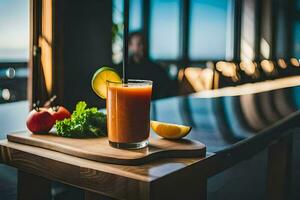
(98, 149)
(116, 181)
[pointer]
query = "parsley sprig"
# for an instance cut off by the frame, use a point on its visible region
(84, 123)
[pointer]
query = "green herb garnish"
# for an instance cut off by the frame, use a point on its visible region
(84, 122)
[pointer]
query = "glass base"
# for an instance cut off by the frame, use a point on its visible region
(137, 145)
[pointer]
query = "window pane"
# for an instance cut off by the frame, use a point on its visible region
(135, 24)
(135, 17)
(117, 11)
(14, 31)
(164, 29)
(117, 33)
(248, 30)
(281, 31)
(211, 29)
(297, 40)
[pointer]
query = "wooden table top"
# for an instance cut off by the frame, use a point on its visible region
(98, 149)
(18, 154)
(222, 121)
(107, 179)
(221, 118)
(231, 127)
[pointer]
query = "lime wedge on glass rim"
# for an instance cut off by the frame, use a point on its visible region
(100, 78)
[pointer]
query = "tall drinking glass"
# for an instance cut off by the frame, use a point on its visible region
(128, 113)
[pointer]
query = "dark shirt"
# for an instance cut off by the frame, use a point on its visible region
(163, 86)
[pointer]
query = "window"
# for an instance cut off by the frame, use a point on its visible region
(211, 29)
(117, 36)
(210, 23)
(135, 24)
(135, 18)
(281, 34)
(297, 40)
(14, 49)
(248, 31)
(164, 29)
(298, 4)
(296, 31)
(14, 31)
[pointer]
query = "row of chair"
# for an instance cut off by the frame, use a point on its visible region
(236, 73)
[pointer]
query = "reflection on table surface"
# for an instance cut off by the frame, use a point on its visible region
(222, 121)
(219, 118)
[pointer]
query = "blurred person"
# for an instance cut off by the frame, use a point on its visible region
(139, 67)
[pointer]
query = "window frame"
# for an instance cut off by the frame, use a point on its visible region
(293, 19)
(19, 64)
(183, 59)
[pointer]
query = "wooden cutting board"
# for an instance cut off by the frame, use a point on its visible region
(98, 149)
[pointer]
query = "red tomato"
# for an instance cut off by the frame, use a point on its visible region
(59, 113)
(40, 121)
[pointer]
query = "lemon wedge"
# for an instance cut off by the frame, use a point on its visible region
(170, 131)
(100, 78)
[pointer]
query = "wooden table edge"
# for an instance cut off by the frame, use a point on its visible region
(56, 157)
(81, 162)
(13, 154)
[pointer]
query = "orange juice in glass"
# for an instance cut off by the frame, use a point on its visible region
(128, 113)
